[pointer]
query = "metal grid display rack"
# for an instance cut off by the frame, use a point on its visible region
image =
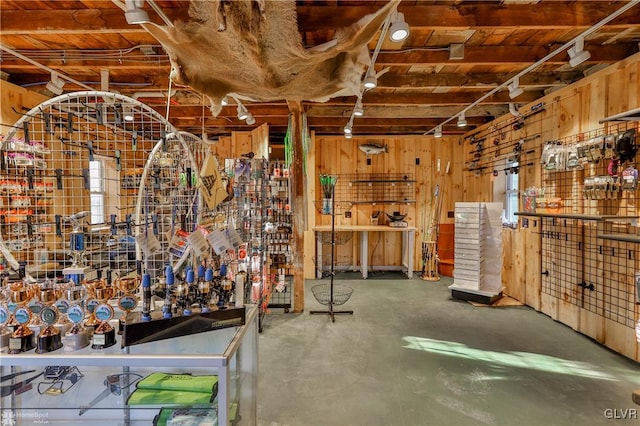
(68, 183)
(587, 217)
(330, 294)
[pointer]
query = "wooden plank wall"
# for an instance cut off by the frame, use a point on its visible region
(337, 155)
(570, 112)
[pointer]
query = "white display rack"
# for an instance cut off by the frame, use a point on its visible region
(478, 250)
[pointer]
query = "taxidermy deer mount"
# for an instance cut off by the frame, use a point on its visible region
(251, 49)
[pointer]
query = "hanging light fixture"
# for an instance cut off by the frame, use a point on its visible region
(438, 132)
(224, 101)
(358, 110)
(348, 129)
(243, 114)
(514, 88)
(462, 121)
(135, 14)
(399, 29)
(514, 110)
(577, 54)
(127, 113)
(251, 120)
(348, 135)
(56, 84)
(370, 80)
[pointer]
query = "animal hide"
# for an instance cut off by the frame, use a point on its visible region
(252, 49)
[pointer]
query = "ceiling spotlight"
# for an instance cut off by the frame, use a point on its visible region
(514, 110)
(348, 135)
(127, 113)
(348, 129)
(135, 14)
(437, 133)
(462, 121)
(243, 114)
(56, 84)
(514, 88)
(358, 111)
(399, 29)
(251, 120)
(370, 81)
(577, 54)
(224, 101)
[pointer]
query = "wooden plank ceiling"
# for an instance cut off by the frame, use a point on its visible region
(422, 88)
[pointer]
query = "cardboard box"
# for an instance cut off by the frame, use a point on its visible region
(529, 203)
(550, 205)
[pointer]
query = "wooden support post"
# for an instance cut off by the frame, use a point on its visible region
(298, 204)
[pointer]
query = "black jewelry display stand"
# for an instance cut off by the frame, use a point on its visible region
(320, 292)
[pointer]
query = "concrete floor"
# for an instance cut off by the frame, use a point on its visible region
(410, 355)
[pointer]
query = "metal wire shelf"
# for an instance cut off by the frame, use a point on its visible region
(326, 207)
(341, 294)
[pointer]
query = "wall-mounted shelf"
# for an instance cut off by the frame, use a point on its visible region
(376, 188)
(578, 216)
(631, 115)
(561, 215)
(384, 181)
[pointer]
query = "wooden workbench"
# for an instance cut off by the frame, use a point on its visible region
(408, 241)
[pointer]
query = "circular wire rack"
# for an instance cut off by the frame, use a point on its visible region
(326, 207)
(341, 293)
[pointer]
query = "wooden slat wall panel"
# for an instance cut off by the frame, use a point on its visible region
(337, 155)
(570, 112)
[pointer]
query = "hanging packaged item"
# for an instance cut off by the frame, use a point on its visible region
(596, 150)
(573, 161)
(546, 149)
(582, 151)
(212, 184)
(630, 179)
(626, 147)
(556, 158)
(613, 187)
(609, 146)
(612, 168)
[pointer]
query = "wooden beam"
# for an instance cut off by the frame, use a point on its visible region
(480, 55)
(389, 130)
(158, 79)
(546, 15)
(378, 98)
(432, 80)
(314, 122)
(409, 111)
(501, 55)
(298, 204)
(376, 105)
(77, 21)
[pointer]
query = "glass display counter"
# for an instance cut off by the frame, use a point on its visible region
(211, 374)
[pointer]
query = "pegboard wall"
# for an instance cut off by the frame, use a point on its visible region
(588, 211)
(584, 269)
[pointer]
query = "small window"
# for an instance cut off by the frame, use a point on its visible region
(511, 191)
(96, 187)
